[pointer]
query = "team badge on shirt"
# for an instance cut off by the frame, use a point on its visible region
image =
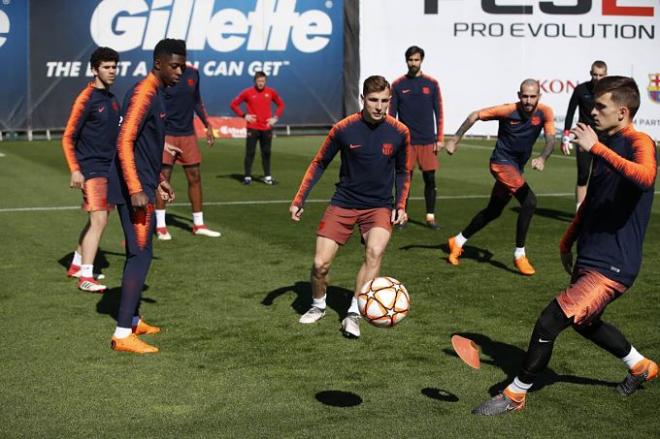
(536, 120)
(388, 149)
(191, 82)
(654, 87)
(115, 106)
(426, 90)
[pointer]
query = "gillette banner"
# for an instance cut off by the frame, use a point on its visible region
(14, 72)
(297, 43)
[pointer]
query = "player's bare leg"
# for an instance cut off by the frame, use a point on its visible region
(161, 227)
(89, 245)
(375, 243)
(326, 250)
(194, 177)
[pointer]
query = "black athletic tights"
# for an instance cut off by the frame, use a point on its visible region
(551, 323)
(499, 198)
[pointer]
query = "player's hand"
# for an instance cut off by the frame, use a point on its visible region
(437, 147)
(399, 216)
(165, 191)
(296, 212)
(566, 145)
(77, 180)
(567, 262)
(538, 163)
(172, 150)
(451, 146)
(272, 121)
(585, 136)
(250, 118)
(139, 200)
(210, 136)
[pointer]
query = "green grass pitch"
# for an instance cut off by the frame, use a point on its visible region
(234, 361)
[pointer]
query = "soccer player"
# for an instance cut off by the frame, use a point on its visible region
(375, 150)
(583, 99)
(89, 147)
(182, 101)
(519, 126)
(417, 100)
(609, 229)
(135, 181)
(259, 100)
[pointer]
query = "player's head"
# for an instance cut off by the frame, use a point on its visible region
(103, 63)
(414, 58)
(529, 95)
(260, 80)
(376, 97)
(598, 71)
(170, 60)
(616, 101)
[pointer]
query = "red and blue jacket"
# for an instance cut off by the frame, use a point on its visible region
(611, 222)
(91, 132)
(374, 160)
(140, 143)
(418, 103)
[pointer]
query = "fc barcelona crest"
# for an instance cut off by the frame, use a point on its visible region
(388, 149)
(536, 120)
(654, 87)
(426, 90)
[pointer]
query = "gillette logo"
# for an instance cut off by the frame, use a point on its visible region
(130, 24)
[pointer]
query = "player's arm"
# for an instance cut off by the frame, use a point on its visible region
(314, 171)
(549, 131)
(438, 110)
(74, 125)
(138, 105)
(641, 170)
(570, 112)
(235, 104)
(570, 236)
(279, 110)
(402, 180)
(452, 144)
(200, 110)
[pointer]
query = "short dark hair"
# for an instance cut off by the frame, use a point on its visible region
(169, 46)
(412, 50)
(102, 54)
(373, 84)
(624, 91)
(599, 64)
(260, 74)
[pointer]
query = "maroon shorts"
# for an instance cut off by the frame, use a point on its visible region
(424, 157)
(588, 295)
(95, 194)
(191, 154)
(508, 177)
(337, 222)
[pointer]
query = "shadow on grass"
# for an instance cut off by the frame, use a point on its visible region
(422, 224)
(439, 394)
(509, 358)
(237, 177)
(337, 398)
(100, 262)
(554, 214)
(480, 255)
(178, 221)
(109, 303)
(338, 299)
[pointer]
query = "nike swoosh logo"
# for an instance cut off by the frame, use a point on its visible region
(354, 146)
(101, 109)
(544, 341)
(515, 122)
(405, 91)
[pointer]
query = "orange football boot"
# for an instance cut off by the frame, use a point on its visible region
(455, 251)
(145, 328)
(523, 266)
(132, 344)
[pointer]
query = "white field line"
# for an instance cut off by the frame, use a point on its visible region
(262, 202)
(2, 154)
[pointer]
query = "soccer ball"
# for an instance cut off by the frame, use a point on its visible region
(384, 301)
